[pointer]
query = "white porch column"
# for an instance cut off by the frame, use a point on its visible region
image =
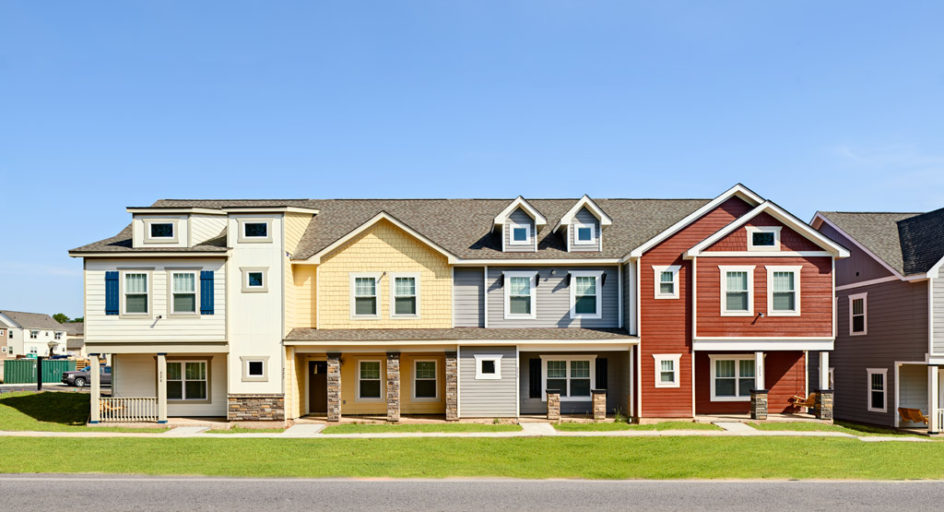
(162, 388)
(823, 370)
(95, 376)
(933, 398)
(759, 370)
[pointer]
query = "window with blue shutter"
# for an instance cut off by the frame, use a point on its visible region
(206, 292)
(111, 293)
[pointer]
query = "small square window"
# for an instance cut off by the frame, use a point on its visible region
(256, 230)
(585, 234)
(254, 279)
(520, 234)
(162, 230)
(487, 366)
(255, 368)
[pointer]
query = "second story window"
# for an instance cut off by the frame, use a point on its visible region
(364, 296)
(763, 238)
(162, 230)
(255, 230)
(858, 305)
(404, 296)
(783, 285)
(585, 294)
(34, 335)
(737, 291)
(666, 281)
(585, 234)
(184, 292)
(519, 294)
(58, 335)
(136, 293)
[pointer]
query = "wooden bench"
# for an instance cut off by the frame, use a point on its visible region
(799, 401)
(912, 415)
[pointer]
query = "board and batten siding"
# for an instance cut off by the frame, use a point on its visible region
(102, 327)
(584, 217)
(519, 217)
(469, 300)
(488, 397)
(937, 301)
(552, 299)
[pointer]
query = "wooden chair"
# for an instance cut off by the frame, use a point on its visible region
(912, 415)
(799, 401)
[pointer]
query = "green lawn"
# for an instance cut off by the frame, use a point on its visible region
(51, 411)
(243, 430)
(607, 457)
(839, 426)
(354, 428)
(613, 425)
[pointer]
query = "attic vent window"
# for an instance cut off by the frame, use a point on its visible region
(763, 238)
(520, 234)
(586, 235)
(162, 230)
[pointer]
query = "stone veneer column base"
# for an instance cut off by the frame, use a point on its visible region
(393, 386)
(553, 405)
(824, 405)
(334, 387)
(599, 404)
(255, 407)
(452, 387)
(758, 404)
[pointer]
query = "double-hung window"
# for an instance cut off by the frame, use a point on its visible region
(783, 291)
(364, 296)
(732, 378)
(404, 302)
(58, 336)
(858, 308)
(666, 281)
(368, 380)
(667, 370)
(737, 291)
(34, 335)
(136, 293)
(424, 380)
(520, 294)
(183, 292)
(586, 294)
(187, 380)
(571, 376)
(878, 401)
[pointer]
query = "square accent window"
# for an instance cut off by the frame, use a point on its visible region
(162, 230)
(424, 380)
(183, 292)
(255, 279)
(737, 291)
(136, 293)
(666, 281)
(405, 299)
(364, 302)
(858, 308)
(488, 366)
(256, 229)
(877, 399)
(763, 238)
(571, 376)
(586, 294)
(783, 288)
(519, 294)
(585, 234)
(732, 378)
(368, 380)
(255, 368)
(520, 234)
(187, 380)
(667, 370)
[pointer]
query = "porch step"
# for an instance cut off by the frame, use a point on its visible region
(185, 431)
(304, 430)
(538, 429)
(736, 427)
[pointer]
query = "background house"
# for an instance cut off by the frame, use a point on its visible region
(30, 333)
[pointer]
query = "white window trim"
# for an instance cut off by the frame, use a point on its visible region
(255, 289)
(574, 274)
(593, 233)
(737, 375)
(675, 358)
(241, 228)
(868, 388)
(435, 379)
(568, 358)
(487, 357)
(196, 291)
(380, 378)
(352, 278)
(865, 313)
(657, 272)
(511, 234)
(797, 270)
(724, 289)
(246, 377)
(173, 239)
(34, 335)
(533, 275)
(763, 229)
(393, 294)
(121, 293)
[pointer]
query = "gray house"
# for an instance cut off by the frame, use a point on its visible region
(890, 339)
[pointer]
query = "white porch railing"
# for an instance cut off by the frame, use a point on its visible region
(940, 419)
(127, 409)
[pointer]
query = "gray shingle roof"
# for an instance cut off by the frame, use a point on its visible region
(33, 320)
(75, 328)
(456, 334)
(909, 242)
(121, 243)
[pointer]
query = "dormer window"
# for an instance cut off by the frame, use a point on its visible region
(162, 230)
(585, 234)
(520, 234)
(582, 226)
(764, 238)
(255, 230)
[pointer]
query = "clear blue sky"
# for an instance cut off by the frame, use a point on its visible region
(816, 105)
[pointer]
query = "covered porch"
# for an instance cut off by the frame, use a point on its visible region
(919, 395)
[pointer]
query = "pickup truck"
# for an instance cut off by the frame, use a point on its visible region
(82, 378)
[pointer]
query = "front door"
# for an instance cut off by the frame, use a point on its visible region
(317, 387)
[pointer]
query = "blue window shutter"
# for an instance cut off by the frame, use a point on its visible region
(111, 293)
(206, 292)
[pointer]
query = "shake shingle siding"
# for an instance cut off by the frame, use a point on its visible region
(480, 398)
(552, 299)
(469, 299)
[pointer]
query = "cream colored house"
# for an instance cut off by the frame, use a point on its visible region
(31, 333)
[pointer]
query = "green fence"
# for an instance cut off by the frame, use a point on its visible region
(23, 371)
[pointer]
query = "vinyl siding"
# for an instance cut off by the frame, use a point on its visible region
(913, 392)
(519, 217)
(487, 398)
(859, 266)
(468, 284)
(584, 217)
(790, 240)
(617, 385)
(552, 299)
(136, 376)
(785, 376)
(205, 227)
(937, 289)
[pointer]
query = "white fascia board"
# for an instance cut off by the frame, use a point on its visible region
(584, 201)
(761, 345)
(8, 323)
(783, 216)
(568, 345)
(315, 259)
(520, 202)
(823, 220)
(147, 210)
(738, 190)
(119, 255)
(276, 209)
(935, 270)
(537, 262)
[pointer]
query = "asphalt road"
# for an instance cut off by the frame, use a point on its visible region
(50, 492)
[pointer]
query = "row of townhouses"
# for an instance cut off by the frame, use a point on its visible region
(466, 308)
(34, 334)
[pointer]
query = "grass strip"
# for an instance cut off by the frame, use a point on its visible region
(51, 411)
(365, 428)
(613, 425)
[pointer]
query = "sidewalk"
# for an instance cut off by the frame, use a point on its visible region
(531, 429)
